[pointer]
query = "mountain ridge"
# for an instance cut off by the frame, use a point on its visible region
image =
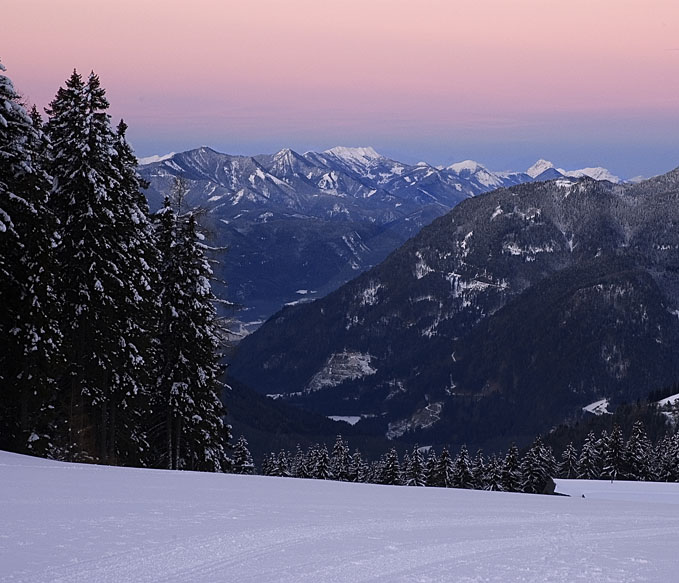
(311, 221)
(474, 317)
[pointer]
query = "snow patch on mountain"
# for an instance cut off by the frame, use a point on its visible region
(155, 158)
(421, 419)
(598, 407)
(341, 367)
(421, 267)
(671, 400)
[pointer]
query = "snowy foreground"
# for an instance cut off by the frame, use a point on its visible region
(67, 522)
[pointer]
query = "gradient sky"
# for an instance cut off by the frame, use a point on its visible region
(582, 83)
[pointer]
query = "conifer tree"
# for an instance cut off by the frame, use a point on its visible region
(322, 466)
(106, 278)
(431, 477)
(29, 333)
(588, 462)
(415, 475)
(614, 455)
(511, 471)
(339, 461)
(493, 478)
(479, 470)
(462, 473)
(638, 453)
(537, 467)
(568, 468)
(445, 471)
(391, 469)
(188, 344)
(281, 466)
(357, 468)
(242, 459)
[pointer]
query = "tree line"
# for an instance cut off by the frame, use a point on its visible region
(607, 456)
(109, 338)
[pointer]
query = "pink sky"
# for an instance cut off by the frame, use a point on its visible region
(584, 81)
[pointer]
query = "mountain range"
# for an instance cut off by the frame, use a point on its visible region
(299, 225)
(499, 320)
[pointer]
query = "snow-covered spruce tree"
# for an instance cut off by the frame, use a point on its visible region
(668, 458)
(537, 467)
(462, 472)
(357, 468)
(391, 469)
(478, 469)
(568, 468)
(589, 464)
(493, 478)
(445, 470)
(638, 454)
(415, 475)
(322, 466)
(614, 455)
(242, 459)
(281, 467)
(431, 477)
(187, 401)
(29, 334)
(511, 471)
(339, 460)
(106, 275)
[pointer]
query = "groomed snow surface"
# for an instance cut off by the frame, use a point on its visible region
(76, 523)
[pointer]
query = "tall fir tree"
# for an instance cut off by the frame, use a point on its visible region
(493, 479)
(357, 468)
(431, 467)
(614, 455)
(242, 459)
(391, 469)
(30, 338)
(445, 470)
(589, 464)
(537, 467)
(462, 469)
(568, 468)
(187, 402)
(415, 475)
(339, 461)
(321, 469)
(106, 273)
(638, 454)
(511, 470)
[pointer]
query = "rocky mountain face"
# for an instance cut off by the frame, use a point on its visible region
(299, 225)
(500, 319)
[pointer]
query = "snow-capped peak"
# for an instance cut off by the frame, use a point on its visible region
(466, 166)
(597, 173)
(363, 154)
(283, 153)
(539, 167)
(155, 158)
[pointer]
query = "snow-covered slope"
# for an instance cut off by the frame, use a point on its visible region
(78, 523)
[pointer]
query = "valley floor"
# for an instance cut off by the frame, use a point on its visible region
(76, 523)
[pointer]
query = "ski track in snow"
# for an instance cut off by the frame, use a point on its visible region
(68, 523)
